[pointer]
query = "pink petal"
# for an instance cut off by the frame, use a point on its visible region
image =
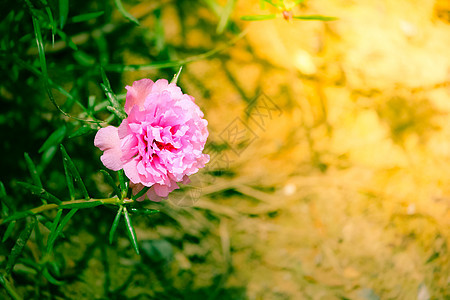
(137, 93)
(107, 139)
(130, 169)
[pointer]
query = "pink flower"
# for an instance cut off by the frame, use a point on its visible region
(161, 141)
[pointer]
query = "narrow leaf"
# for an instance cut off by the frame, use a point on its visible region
(40, 192)
(258, 17)
(52, 235)
(315, 18)
(17, 216)
(32, 169)
(60, 228)
(63, 12)
(51, 279)
(130, 230)
(123, 184)
(141, 192)
(8, 231)
(225, 16)
(86, 17)
(6, 204)
(9, 288)
(144, 211)
(54, 139)
(106, 86)
(175, 77)
(19, 245)
(115, 224)
(39, 239)
(81, 131)
(125, 13)
(84, 204)
(112, 183)
(69, 180)
(73, 170)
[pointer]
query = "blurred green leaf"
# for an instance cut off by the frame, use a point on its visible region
(141, 192)
(63, 12)
(115, 224)
(51, 279)
(81, 131)
(32, 169)
(125, 13)
(54, 139)
(112, 183)
(143, 211)
(56, 232)
(315, 18)
(9, 288)
(175, 77)
(54, 226)
(86, 17)
(8, 231)
(130, 230)
(258, 17)
(225, 16)
(38, 191)
(19, 245)
(73, 170)
(69, 180)
(157, 251)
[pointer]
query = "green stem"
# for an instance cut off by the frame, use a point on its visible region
(67, 205)
(9, 288)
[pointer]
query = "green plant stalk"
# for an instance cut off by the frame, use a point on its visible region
(9, 288)
(68, 205)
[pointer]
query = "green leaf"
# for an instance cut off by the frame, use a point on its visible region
(143, 211)
(315, 18)
(17, 216)
(83, 204)
(73, 170)
(52, 236)
(115, 224)
(8, 231)
(130, 230)
(69, 180)
(6, 204)
(51, 279)
(63, 12)
(46, 158)
(106, 86)
(40, 192)
(59, 229)
(86, 17)
(54, 139)
(273, 4)
(81, 131)
(141, 193)
(225, 16)
(19, 245)
(123, 184)
(258, 17)
(38, 235)
(125, 13)
(9, 288)
(175, 77)
(112, 183)
(32, 169)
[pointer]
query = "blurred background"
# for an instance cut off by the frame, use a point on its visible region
(329, 142)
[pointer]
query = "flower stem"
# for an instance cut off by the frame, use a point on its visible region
(79, 203)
